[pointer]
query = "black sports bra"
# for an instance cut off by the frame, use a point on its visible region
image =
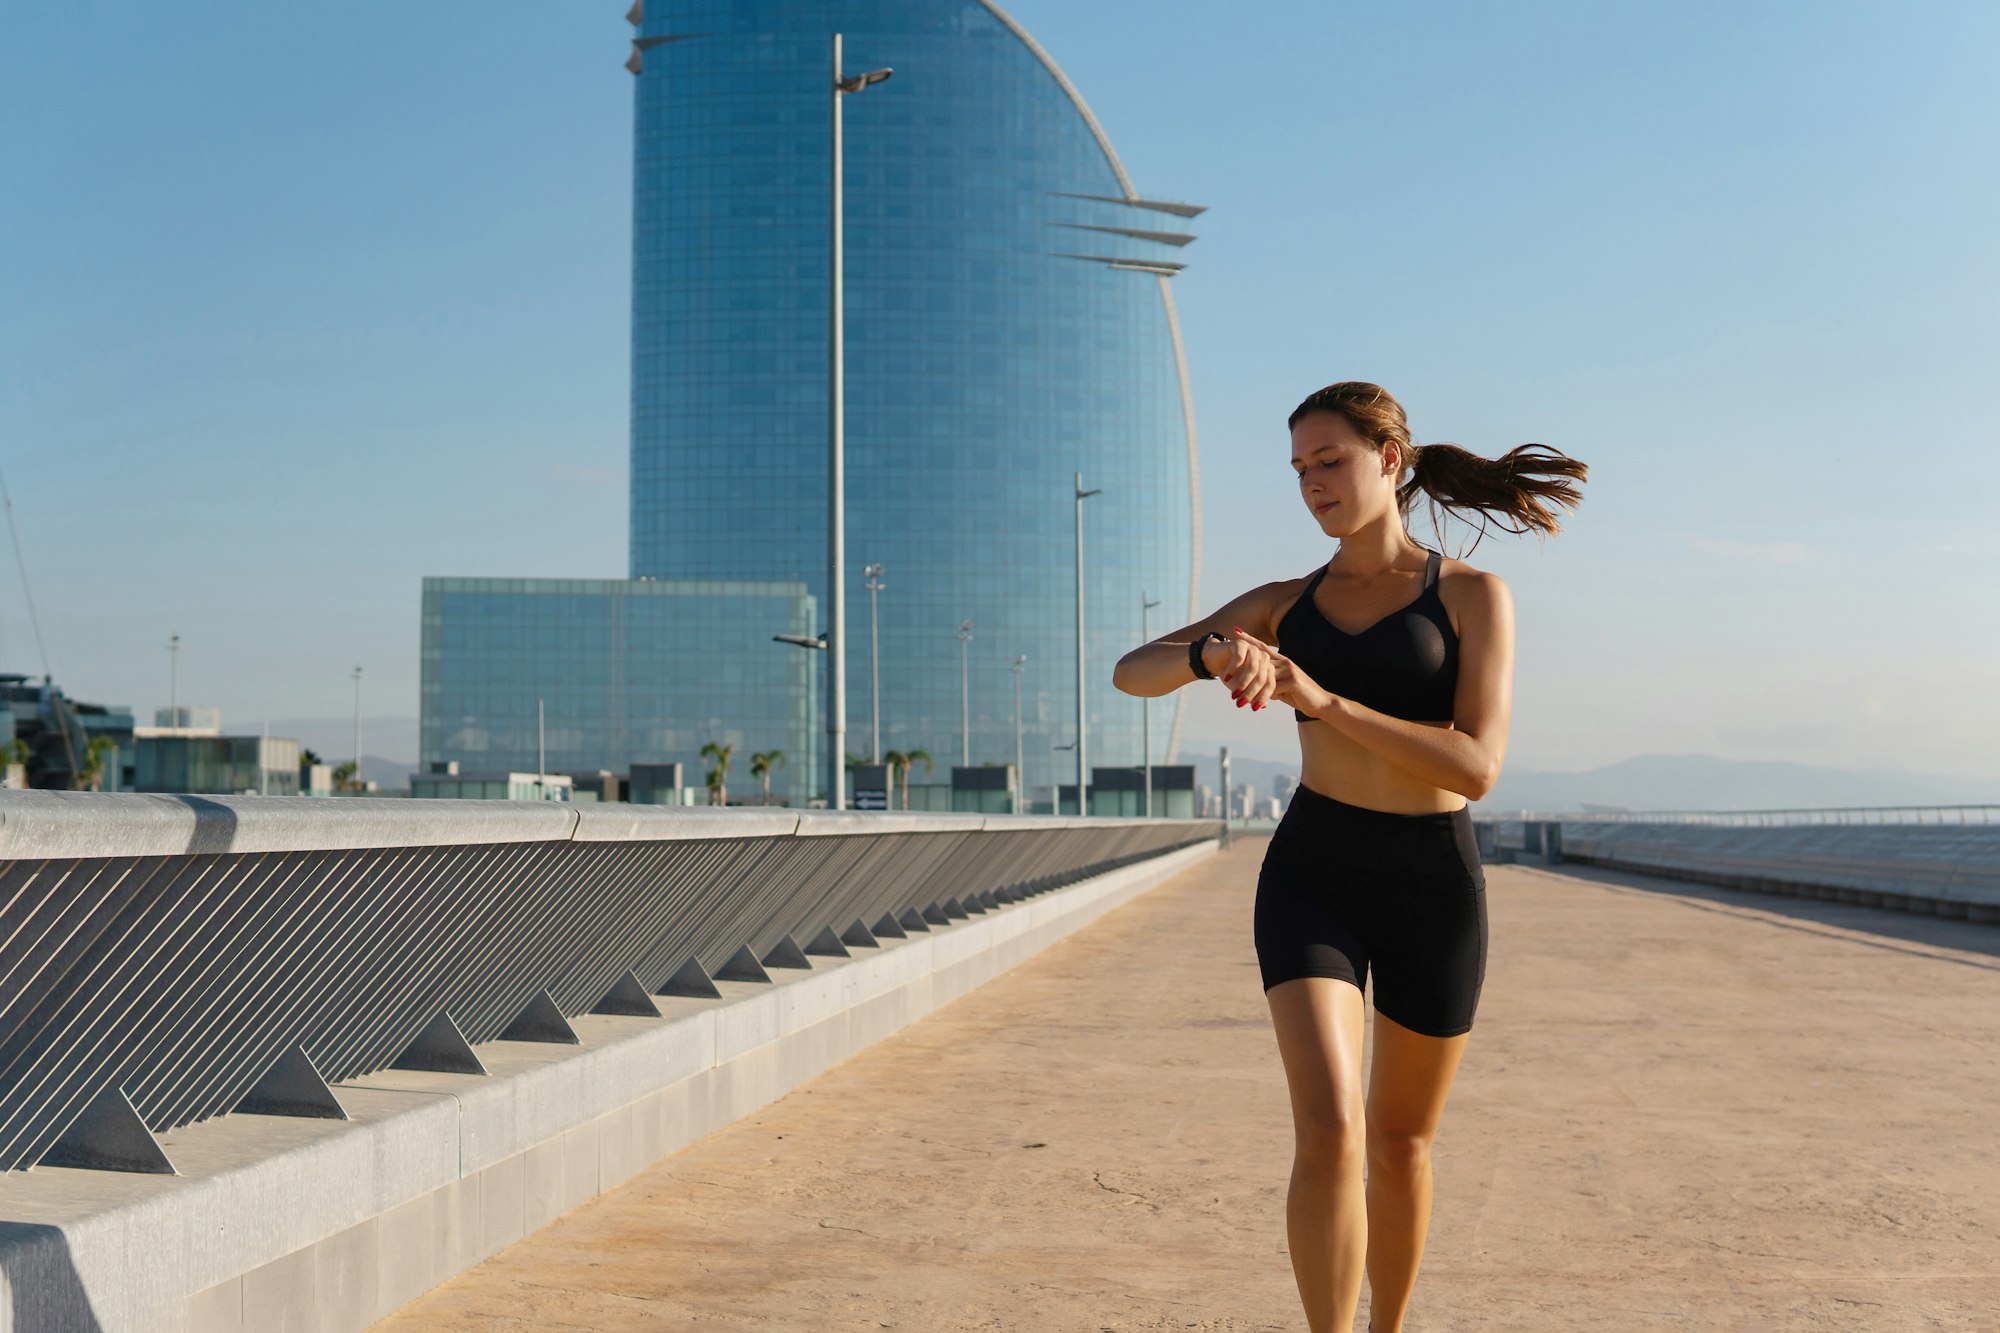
(1405, 664)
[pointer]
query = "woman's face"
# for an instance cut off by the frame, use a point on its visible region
(1341, 476)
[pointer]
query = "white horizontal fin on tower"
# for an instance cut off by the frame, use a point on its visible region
(1136, 233)
(1179, 210)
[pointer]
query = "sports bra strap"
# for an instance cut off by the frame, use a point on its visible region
(1431, 569)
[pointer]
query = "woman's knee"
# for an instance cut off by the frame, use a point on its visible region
(1400, 1155)
(1331, 1136)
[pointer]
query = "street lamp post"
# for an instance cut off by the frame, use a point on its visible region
(358, 788)
(872, 574)
(1146, 711)
(1082, 719)
(1225, 796)
(173, 680)
(1020, 766)
(964, 696)
(836, 523)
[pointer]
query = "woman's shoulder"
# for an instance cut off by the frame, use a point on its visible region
(1281, 595)
(1262, 607)
(1464, 575)
(1467, 591)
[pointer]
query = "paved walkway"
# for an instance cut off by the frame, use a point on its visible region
(1681, 1109)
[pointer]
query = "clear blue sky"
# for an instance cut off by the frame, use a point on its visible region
(298, 305)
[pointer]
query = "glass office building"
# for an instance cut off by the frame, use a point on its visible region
(577, 675)
(1009, 324)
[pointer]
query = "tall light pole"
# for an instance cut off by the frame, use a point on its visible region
(358, 788)
(1225, 796)
(836, 521)
(1082, 720)
(173, 680)
(873, 576)
(1020, 768)
(1146, 711)
(964, 696)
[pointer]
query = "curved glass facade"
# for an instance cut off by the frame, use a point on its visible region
(1008, 325)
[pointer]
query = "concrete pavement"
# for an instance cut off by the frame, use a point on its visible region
(1681, 1108)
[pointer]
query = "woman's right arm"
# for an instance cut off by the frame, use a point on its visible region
(1162, 666)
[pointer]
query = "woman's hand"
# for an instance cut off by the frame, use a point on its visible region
(1259, 673)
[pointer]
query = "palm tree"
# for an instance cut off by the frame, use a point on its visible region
(92, 777)
(344, 777)
(718, 777)
(16, 752)
(897, 763)
(762, 765)
(915, 757)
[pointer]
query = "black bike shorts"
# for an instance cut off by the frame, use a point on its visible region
(1343, 886)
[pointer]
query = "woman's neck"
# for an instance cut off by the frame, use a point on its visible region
(1373, 551)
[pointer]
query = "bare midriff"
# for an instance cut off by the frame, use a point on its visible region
(1335, 766)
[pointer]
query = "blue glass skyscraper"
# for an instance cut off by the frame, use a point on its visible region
(1009, 324)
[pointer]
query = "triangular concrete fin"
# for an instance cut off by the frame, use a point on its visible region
(989, 900)
(912, 920)
(973, 904)
(627, 997)
(888, 928)
(787, 953)
(691, 981)
(541, 1021)
(953, 910)
(743, 966)
(858, 936)
(110, 1136)
(936, 915)
(826, 944)
(292, 1086)
(442, 1049)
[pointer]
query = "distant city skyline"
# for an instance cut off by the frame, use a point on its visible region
(294, 332)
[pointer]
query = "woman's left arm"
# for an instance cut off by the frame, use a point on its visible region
(1464, 758)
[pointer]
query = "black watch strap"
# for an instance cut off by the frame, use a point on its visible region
(1201, 671)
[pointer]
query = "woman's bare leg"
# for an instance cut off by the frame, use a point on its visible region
(1319, 1027)
(1407, 1084)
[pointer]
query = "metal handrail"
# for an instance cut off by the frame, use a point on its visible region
(1853, 814)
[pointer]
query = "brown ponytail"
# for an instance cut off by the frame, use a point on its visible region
(1515, 489)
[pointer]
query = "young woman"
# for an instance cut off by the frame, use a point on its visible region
(1398, 666)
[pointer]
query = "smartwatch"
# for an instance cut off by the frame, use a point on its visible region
(1201, 671)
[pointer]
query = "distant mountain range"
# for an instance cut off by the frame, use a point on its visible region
(332, 739)
(1677, 782)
